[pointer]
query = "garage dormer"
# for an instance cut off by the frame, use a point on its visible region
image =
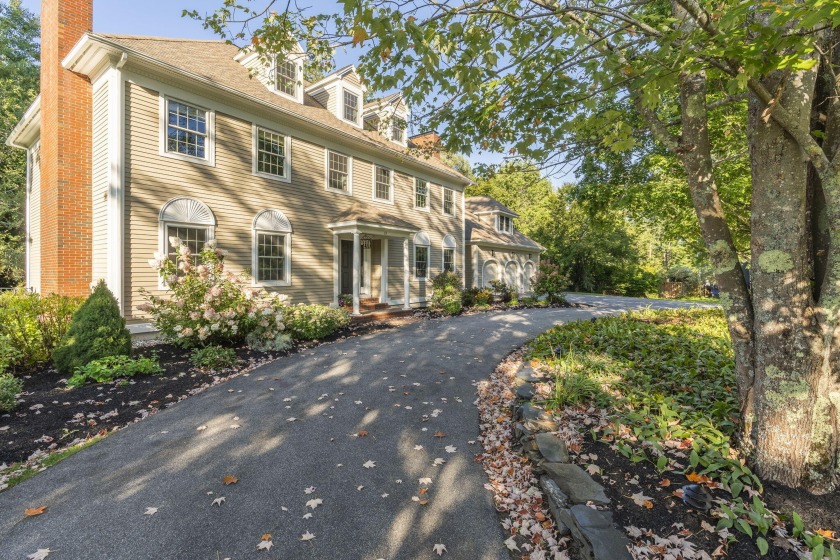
(389, 116)
(342, 93)
(281, 74)
(491, 213)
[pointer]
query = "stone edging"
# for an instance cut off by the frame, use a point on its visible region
(569, 490)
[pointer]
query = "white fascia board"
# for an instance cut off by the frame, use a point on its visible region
(28, 129)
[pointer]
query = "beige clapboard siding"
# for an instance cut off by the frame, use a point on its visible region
(235, 196)
(100, 176)
(35, 222)
(503, 258)
(332, 99)
(322, 97)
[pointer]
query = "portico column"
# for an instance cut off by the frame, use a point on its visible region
(406, 277)
(383, 267)
(357, 265)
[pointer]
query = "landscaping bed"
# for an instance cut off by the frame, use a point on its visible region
(644, 406)
(52, 416)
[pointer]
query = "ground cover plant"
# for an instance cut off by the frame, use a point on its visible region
(110, 368)
(653, 396)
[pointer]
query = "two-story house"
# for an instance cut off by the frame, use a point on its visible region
(311, 189)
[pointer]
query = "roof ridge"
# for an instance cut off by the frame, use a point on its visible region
(157, 38)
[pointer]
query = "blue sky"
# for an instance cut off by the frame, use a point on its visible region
(163, 18)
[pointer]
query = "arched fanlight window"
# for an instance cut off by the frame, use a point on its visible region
(449, 247)
(272, 253)
(421, 255)
(188, 219)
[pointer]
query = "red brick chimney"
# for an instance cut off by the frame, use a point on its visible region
(427, 142)
(66, 110)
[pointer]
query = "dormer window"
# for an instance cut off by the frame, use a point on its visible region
(503, 223)
(398, 130)
(286, 77)
(351, 106)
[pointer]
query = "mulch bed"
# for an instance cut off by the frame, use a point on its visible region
(669, 516)
(53, 416)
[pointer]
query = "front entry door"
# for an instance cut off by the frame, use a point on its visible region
(346, 261)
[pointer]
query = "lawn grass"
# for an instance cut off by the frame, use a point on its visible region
(22, 473)
(667, 379)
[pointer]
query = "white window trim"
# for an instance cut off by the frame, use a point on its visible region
(390, 136)
(454, 250)
(163, 241)
(428, 262)
(499, 223)
(327, 186)
(340, 104)
(287, 264)
(443, 198)
(390, 199)
(298, 81)
(428, 206)
(210, 148)
(287, 149)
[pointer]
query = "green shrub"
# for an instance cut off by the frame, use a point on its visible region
(34, 324)
(9, 355)
(206, 304)
(501, 290)
(310, 322)
(110, 368)
(96, 331)
(213, 357)
(446, 293)
(446, 280)
(551, 282)
(483, 297)
(468, 297)
(10, 387)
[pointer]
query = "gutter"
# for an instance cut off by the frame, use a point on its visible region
(69, 64)
(26, 119)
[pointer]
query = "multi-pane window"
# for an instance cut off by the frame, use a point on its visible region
(339, 171)
(448, 202)
(449, 260)
(382, 183)
(351, 106)
(271, 153)
(398, 130)
(286, 77)
(421, 193)
(504, 223)
(186, 129)
(192, 237)
(421, 261)
(271, 257)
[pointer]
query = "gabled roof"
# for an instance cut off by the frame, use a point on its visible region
(366, 214)
(383, 101)
(478, 233)
(487, 204)
(212, 62)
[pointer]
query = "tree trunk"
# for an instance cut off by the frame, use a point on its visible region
(789, 345)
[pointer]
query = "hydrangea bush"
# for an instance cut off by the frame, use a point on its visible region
(206, 304)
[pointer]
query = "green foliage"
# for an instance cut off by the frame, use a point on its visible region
(10, 387)
(19, 77)
(447, 280)
(9, 355)
(208, 305)
(33, 325)
(550, 281)
(213, 357)
(311, 322)
(96, 331)
(483, 297)
(447, 296)
(501, 290)
(109, 368)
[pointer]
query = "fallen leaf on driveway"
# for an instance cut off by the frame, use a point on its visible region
(307, 536)
(307, 516)
(511, 544)
(201, 428)
(418, 447)
(292, 419)
(218, 501)
(440, 434)
(266, 537)
(32, 512)
(150, 511)
(40, 555)
(440, 549)
(265, 545)
(439, 461)
(369, 464)
(424, 481)
(314, 503)
(235, 426)
(229, 479)
(451, 449)
(362, 433)
(309, 490)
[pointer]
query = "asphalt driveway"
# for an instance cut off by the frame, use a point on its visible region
(290, 432)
